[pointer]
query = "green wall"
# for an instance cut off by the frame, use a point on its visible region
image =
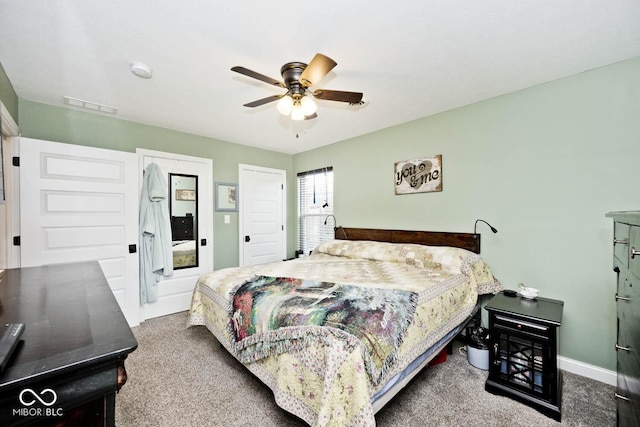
(8, 95)
(542, 165)
(62, 125)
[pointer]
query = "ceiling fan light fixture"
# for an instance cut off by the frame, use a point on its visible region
(297, 77)
(297, 113)
(285, 105)
(308, 105)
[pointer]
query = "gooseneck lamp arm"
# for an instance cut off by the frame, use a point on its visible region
(334, 220)
(335, 226)
(482, 220)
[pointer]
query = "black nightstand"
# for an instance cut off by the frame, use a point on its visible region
(523, 351)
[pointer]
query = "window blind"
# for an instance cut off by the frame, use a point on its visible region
(315, 204)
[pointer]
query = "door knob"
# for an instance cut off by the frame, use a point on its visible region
(247, 238)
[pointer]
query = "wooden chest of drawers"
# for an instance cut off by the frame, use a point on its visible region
(626, 264)
(182, 228)
(73, 349)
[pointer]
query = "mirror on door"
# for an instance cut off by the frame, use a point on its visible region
(183, 207)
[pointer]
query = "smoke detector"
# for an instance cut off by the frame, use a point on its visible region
(141, 70)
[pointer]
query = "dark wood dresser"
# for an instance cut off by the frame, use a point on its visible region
(181, 228)
(626, 264)
(70, 363)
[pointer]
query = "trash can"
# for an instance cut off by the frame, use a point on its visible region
(478, 347)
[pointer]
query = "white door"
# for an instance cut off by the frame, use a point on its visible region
(262, 215)
(80, 203)
(189, 186)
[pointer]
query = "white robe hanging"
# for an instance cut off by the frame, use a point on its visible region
(156, 258)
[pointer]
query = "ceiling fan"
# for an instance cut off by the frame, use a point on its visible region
(298, 77)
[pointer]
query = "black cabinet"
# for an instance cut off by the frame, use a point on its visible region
(182, 228)
(626, 265)
(69, 364)
(523, 351)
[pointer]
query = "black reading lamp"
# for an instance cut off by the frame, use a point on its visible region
(476, 224)
(334, 221)
(335, 226)
(476, 235)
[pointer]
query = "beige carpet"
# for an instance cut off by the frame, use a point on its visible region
(183, 377)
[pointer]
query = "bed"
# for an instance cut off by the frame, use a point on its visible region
(335, 335)
(184, 253)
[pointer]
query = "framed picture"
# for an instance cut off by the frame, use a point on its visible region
(418, 175)
(226, 197)
(187, 195)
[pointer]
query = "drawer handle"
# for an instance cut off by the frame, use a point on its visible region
(519, 323)
(634, 252)
(619, 298)
(619, 347)
(620, 241)
(621, 397)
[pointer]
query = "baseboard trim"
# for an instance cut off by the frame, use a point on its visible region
(590, 371)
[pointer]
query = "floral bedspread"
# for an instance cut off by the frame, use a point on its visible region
(326, 382)
(273, 315)
(184, 254)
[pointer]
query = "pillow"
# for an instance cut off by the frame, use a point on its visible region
(447, 258)
(428, 257)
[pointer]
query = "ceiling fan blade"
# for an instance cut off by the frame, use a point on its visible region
(319, 67)
(338, 95)
(263, 101)
(311, 116)
(261, 77)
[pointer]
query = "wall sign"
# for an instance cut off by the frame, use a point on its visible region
(419, 175)
(185, 194)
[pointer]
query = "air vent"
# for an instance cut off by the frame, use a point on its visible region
(88, 105)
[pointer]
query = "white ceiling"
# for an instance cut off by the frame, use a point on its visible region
(410, 58)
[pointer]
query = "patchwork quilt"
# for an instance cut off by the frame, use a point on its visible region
(326, 332)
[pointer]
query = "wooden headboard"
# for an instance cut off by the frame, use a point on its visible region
(468, 241)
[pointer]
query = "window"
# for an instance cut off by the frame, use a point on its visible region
(315, 205)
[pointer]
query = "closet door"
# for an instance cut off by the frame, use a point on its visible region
(189, 190)
(262, 215)
(80, 203)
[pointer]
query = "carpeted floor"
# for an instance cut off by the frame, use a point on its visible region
(181, 376)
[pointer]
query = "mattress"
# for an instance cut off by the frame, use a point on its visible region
(329, 380)
(184, 253)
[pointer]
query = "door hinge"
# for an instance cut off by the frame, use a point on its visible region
(282, 186)
(16, 240)
(15, 161)
(282, 227)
